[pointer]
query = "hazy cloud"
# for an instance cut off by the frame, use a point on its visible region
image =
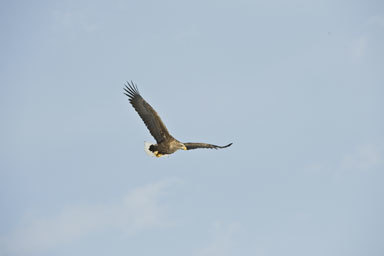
(137, 210)
(222, 240)
(73, 20)
(359, 47)
(363, 158)
(376, 20)
(368, 37)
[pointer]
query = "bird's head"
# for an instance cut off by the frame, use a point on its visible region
(182, 146)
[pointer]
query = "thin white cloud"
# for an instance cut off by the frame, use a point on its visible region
(137, 210)
(363, 158)
(359, 47)
(376, 21)
(73, 20)
(222, 240)
(366, 41)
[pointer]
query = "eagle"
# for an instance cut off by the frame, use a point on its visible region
(166, 144)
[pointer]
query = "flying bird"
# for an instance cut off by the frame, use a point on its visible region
(166, 144)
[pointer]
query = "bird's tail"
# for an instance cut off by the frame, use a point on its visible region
(146, 148)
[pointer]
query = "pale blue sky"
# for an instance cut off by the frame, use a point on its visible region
(297, 86)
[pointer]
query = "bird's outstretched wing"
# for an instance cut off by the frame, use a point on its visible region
(151, 119)
(192, 145)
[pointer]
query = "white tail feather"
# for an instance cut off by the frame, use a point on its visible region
(146, 148)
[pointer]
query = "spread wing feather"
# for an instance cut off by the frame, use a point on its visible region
(151, 119)
(191, 145)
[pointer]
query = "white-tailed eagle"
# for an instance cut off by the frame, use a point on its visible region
(166, 144)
